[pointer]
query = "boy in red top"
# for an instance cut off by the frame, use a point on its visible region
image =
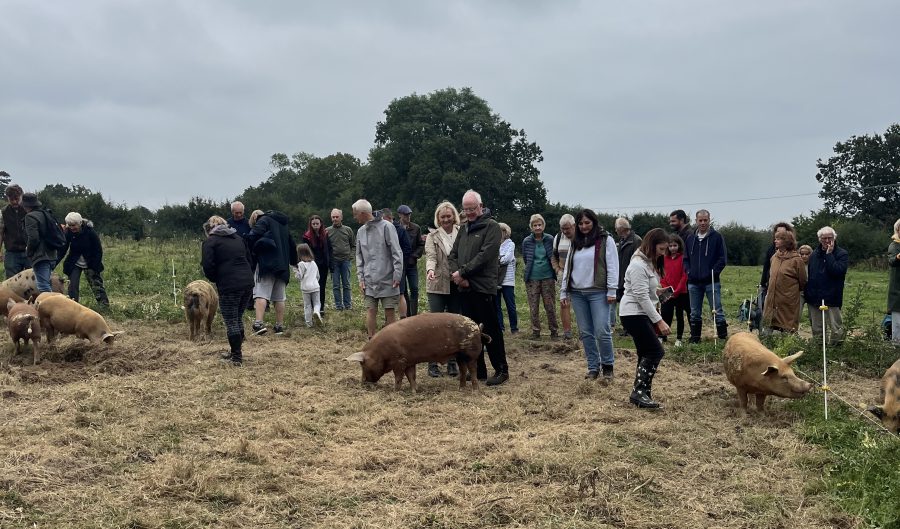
(676, 278)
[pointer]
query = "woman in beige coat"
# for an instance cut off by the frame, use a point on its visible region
(442, 292)
(787, 279)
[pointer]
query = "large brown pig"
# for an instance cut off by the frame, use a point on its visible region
(24, 324)
(429, 337)
(7, 295)
(201, 300)
(25, 286)
(889, 411)
(59, 314)
(752, 368)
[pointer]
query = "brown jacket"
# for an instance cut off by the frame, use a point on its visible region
(787, 279)
(438, 260)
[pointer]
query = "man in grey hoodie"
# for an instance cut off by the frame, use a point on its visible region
(379, 264)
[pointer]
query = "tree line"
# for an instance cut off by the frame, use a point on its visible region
(434, 147)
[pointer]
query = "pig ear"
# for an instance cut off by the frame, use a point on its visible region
(358, 356)
(108, 338)
(9, 304)
(790, 359)
(877, 411)
(771, 370)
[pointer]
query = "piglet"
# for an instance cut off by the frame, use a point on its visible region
(60, 314)
(24, 324)
(753, 368)
(889, 411)
(428, 337)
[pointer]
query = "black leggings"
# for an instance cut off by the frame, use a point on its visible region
(644, 335)
(681, 305)
(231, 305)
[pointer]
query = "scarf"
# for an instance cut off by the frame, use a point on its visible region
(447, 239)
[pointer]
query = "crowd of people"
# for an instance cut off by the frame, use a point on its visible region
(641, 283)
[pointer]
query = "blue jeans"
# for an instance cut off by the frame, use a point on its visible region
(42, 271)
(411, 277)
(340, 276)
(15, 262)
(592, 315)
(696, 293)
(508, 293)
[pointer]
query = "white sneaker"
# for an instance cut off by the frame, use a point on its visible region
(319, 320)
(677, 343)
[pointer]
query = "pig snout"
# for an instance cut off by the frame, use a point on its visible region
(789, 386)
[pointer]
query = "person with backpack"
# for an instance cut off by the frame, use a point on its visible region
(407, 248)
(43, 238)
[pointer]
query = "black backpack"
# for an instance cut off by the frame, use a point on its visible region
(55, 237)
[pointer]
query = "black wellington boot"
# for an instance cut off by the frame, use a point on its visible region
(722, 330)
(643, 384)
(695, 332)
(237, 357)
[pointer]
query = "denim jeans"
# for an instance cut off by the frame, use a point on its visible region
(340, 281)
(42, 271)
(508, 293)
(411, 277)
(612, 314)
(697, 292)
(592, 315)
(15, 262)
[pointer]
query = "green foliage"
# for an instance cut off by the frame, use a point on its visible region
(110, 219)
(864, 242)
(746, 246)
(862, 180)
(436, 146)
(180, 219)
(5, 180)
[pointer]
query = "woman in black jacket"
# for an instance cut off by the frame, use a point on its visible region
(317, 239)
(85, 254)
(226, 262)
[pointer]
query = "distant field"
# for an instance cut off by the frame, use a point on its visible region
(155, 433)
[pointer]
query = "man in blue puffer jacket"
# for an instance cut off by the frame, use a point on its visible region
(704, 259)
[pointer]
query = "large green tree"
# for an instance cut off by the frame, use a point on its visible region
(436, 146)
(862, 179)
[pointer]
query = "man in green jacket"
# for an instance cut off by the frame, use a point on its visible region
(475, 263)
(343, 250)
(37, 248)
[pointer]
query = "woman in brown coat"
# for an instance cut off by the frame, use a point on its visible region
(787, 279)
(442, 293)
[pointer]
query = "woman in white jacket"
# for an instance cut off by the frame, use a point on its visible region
(639, 316)
(506, 285)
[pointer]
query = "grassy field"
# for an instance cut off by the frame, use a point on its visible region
(153, 432)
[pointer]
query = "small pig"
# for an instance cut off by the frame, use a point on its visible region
(200, 304)
(25, 286)
(60, 314)
(752, 368)
(7, 295)
(429, 337)
(24, 324)
(889, 412)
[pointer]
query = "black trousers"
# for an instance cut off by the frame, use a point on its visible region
(681, 306)
(323, 278)
(644, 335)
(482, 309)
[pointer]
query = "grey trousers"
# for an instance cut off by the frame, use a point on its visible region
(833, 323)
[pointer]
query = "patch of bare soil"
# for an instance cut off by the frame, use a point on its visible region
(155, 432)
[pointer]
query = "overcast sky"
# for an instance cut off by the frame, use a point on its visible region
(652, 103)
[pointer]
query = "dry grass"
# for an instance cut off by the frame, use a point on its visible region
(155, 433)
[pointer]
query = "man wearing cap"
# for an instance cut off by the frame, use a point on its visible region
(42, 256)
(410, 269)
(12, 232)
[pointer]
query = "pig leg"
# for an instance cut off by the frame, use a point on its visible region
(36, 349)
(473, 369)
(398, 379)
(760, 402)
(209, 320)
(742, 399)
(411, 375)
